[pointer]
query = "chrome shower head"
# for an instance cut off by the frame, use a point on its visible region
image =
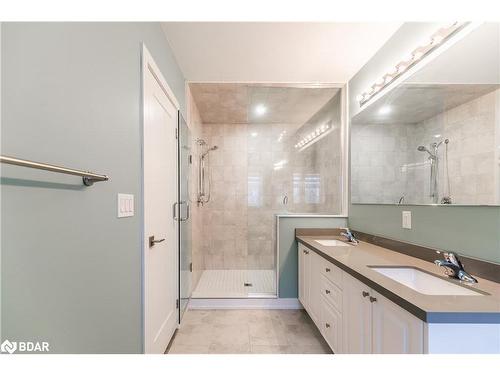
(213, 148)
(425, 149)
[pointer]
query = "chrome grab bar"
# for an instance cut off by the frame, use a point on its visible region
(88, 177)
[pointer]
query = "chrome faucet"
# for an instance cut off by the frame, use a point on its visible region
(454, 268)
(349, 236)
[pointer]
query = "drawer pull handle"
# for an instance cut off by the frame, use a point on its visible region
(327, 269)
(365, 294)
(327, 325)
(373, 299)
(327, 291)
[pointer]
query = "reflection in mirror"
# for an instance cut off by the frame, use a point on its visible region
(435, 138)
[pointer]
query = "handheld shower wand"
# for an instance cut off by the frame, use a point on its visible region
(434, 159)
(204, 181)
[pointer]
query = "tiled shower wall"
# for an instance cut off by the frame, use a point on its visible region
(389, 166)
(378, 153)
(473, 130)
(255, 166)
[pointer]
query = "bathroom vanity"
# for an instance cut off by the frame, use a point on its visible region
(368, 299)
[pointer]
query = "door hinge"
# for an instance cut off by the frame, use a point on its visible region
(191, 267)
(176, 133)
(176, 303)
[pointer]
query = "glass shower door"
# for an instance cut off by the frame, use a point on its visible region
(185, 246)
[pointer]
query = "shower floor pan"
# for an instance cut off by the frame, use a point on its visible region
(236, 284)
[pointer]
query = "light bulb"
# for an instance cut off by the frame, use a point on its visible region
(436, 39)
(384, 110)
(402, 68)
(417, 55)
(260, 109)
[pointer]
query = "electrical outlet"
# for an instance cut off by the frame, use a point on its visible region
(406, 219)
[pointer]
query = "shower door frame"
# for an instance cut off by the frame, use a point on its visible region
(345, 152)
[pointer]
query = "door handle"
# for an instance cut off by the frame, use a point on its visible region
(365, 294)
(174, 211)
(373, 299)
(152, 241)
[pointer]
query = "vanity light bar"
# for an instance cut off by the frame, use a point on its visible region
(437, 39)
(320, 131)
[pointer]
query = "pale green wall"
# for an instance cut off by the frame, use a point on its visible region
(288, 261)
(472, 231)
(71, 94)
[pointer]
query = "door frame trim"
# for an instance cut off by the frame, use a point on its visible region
(148, 64)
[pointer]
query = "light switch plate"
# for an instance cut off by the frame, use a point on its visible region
(125, 205)
(406, 219)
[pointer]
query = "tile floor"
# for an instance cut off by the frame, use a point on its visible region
(248, 331)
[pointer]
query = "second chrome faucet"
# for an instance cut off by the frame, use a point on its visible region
(349, 236)
(454, 268)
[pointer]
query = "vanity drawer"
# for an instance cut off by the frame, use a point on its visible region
(331, 293)
(331, 327)
(331, 272)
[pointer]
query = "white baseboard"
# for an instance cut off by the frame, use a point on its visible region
(245, 303)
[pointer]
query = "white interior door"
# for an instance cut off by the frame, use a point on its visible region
(160, 194)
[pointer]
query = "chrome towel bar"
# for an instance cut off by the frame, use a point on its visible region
(88, 177)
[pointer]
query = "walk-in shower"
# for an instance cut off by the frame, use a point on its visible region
(434, 172)
(260, 168)
(204, 172)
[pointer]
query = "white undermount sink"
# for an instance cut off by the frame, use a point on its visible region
(424, 282)
(331, 243)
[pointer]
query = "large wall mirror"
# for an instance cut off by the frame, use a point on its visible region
(435, 138)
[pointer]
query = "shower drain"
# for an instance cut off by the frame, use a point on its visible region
(247, 284)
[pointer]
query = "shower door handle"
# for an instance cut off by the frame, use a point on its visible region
(188, 211)
(285, 200)
(174, 213)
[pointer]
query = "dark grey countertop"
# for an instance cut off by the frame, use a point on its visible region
(356, 261)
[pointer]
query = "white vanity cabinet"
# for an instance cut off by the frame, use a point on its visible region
(321, 295)
(304, 274)
(357, 309)
(309, 292)
(394, 330)
(374, 324)
(352, 317)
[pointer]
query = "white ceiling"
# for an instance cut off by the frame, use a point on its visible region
(274, 52)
